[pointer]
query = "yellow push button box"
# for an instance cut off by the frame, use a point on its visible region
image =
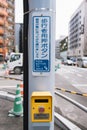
(41, 107)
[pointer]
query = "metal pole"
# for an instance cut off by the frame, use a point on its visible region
(41, 56)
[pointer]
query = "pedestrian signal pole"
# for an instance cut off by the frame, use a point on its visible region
(39, 82)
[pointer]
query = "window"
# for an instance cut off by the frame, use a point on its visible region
(79, 44)
(14, 58)
(1, 58)
(79, 39)
(79, 51)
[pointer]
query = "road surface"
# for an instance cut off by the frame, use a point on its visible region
(74, 79)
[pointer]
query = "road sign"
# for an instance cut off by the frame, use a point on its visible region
(41, 43)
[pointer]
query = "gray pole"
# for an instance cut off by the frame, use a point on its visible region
(41, 54)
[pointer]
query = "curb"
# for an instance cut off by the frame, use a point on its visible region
(8, 96)
(64, 123)
(72, 92)
(11, 78)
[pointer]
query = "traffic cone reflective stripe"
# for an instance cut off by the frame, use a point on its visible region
(18, 102)
(18, 107)
(18, 95)
(21, 88)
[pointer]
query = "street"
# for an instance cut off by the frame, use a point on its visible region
(76, 76)
(74, 79)
(8, 85)
(68, 77)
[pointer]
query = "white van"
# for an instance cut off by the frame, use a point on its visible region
(82, 62)
(15, 63)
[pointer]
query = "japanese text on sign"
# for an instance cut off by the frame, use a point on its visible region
(41, 44)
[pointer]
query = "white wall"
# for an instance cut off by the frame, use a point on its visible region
(18, 11)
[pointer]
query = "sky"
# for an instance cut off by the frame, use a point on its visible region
(64, 10)
(19, 11)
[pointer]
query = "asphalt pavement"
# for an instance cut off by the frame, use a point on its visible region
(16, 123)
(68, 77)
(9, 123)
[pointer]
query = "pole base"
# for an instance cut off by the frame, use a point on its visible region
(11, 113)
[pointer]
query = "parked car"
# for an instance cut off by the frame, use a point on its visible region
(74, 60)
(15, 63)
(82, 62)
(68, 62)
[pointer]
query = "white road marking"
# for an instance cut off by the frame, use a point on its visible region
(74, 81)
(80, 85)
(7, 86)
(79, 75)
(66, 77)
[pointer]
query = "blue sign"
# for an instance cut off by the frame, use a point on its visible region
(41, 43)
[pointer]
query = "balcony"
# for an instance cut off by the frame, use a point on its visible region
(1, 50)
(3, 13)
(1, 22)
(11, 22)
(11, 30)
(1, 41)
(11, 37)
(11, 14)
(10, 4)
(6, 24)
(1, 31)
(3, 4)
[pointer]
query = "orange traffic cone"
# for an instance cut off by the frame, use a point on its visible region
(6, 72)
(21, 89)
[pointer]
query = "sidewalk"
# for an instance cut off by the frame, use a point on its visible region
(9, 123)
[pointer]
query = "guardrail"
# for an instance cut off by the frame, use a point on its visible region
(72, 101)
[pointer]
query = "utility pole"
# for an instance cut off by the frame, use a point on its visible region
(39, 82)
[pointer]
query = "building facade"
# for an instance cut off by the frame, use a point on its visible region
(57, 49)
(77, 40)
(7, 20)
(11, 25)
(64, 47)
(61, 48)
(19, 37)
